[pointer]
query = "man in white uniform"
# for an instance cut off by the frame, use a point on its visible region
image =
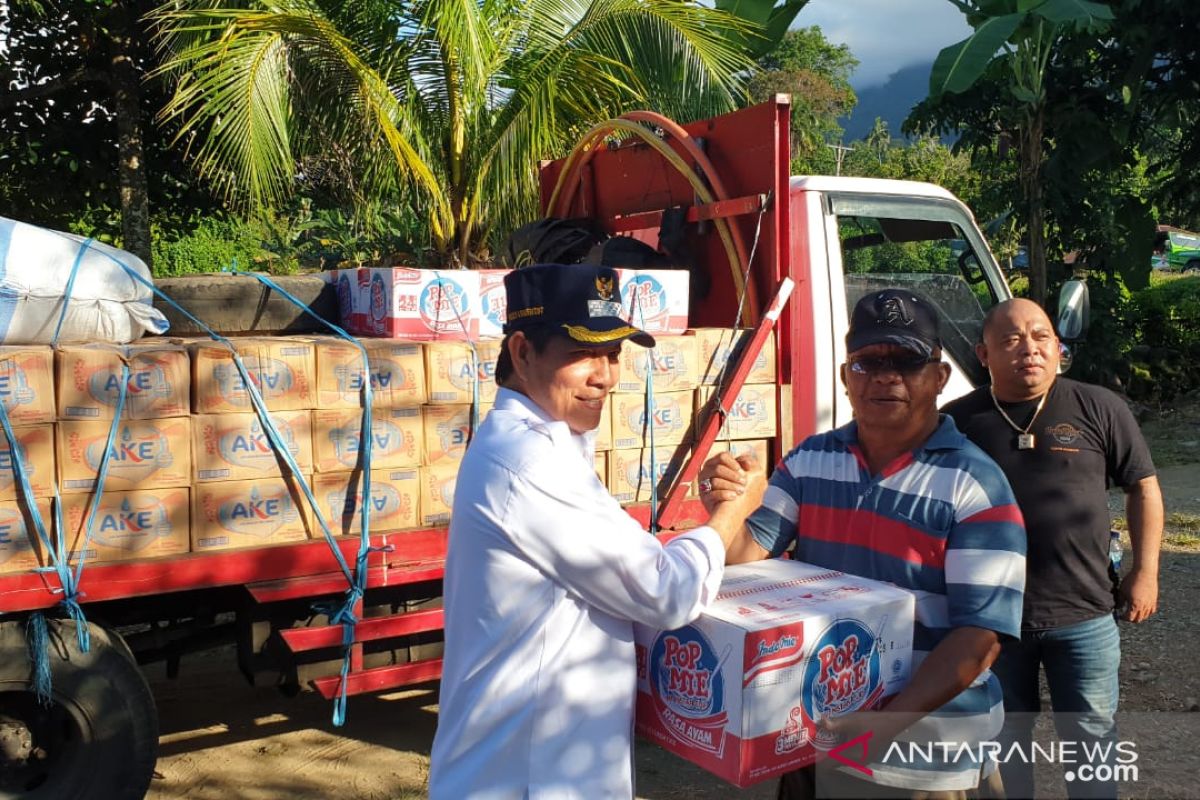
(545, 573)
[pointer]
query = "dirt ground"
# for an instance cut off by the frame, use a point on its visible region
(223, 739)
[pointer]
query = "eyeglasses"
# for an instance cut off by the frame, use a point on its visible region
(904, 365)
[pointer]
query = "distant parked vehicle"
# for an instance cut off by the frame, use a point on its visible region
(1176, 250)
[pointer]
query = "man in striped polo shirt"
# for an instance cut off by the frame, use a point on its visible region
(899, 495)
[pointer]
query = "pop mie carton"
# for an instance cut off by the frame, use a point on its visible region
(397, 373)
(395, 495)
(450, 376)
(236, 447)
(655, 300)
(282, 368)
(27, 384)
(493, 302)
(739, 691)
(146, 454)
(88, 381)
(129, 525)
(404, 303)
(233, 514)
(35, 447)
(396, 433)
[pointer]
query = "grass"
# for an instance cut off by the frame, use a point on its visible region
(1180, 530)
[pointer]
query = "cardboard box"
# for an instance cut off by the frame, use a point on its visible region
(493, 302)
(447, 431)
(604, 431)
(395, 497)
(88, 381)
(416, 304)
(147, 454)
(759, 448)
(35, 446)
(129, 525)
(232, 514)
(397, 439)
(631, 479)
(675, 362)
(601, 462)
(450, 377)
(752, 414)
(20, 549)
(717, 345)
(397, 373)
(437, 493)
(27, 384)
(655, 300)
(282, 368)
(236, 447)
(738, 691)
(672, 419)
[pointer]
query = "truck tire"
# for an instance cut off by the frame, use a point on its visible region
(98, 740)
(1192, 267)
(239, 305)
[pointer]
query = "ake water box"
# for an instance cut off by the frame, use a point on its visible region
(739, 691)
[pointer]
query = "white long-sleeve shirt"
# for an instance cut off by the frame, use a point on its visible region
(545, 575)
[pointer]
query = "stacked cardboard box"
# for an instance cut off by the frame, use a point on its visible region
(27, 393)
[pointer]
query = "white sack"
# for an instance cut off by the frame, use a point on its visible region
(107, 304)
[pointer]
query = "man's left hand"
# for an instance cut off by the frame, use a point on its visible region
(1138, 596)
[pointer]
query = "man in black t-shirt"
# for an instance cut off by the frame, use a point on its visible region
(1061, 444)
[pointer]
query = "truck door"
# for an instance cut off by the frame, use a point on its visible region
(918, 237)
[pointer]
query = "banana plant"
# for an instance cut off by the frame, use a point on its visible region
(1019, 39)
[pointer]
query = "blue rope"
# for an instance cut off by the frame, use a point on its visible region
(37, 641)
(343, 613)
(638, 319)
(62, 315)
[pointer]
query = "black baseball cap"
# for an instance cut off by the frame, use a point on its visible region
(894, 316)
(582, 300)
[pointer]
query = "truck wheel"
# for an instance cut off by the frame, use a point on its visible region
(238, 304)
(98, 740)
(1192, 267)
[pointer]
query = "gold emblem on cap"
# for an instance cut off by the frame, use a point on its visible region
(604, 287)
(581, 334)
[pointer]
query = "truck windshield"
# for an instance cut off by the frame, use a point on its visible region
(925, 245)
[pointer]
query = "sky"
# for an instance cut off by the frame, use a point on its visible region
(886, 35)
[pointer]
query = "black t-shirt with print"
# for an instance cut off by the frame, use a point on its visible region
(1085, 440)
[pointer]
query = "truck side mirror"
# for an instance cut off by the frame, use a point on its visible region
(1073, 309)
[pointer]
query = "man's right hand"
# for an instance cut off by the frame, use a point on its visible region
(735, 491)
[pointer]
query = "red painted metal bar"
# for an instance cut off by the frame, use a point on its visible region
(714, 416)
(32, 591)
(381, 678)
(368, 630)
(335, 582)
(708, 211)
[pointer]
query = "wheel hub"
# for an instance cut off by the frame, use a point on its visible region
(16, 743)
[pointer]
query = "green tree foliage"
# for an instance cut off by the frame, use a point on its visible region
(816, 73)
(1018, 38)
(441, 105)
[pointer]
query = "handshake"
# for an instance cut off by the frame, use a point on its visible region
(731, 489)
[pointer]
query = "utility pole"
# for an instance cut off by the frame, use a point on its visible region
(840, 150)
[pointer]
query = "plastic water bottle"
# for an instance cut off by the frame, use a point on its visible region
(1115, 551)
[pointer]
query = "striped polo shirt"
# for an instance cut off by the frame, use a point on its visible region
(940, 521)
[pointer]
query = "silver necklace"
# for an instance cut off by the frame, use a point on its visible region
(1025, 439)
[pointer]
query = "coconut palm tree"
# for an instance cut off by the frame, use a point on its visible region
(444, 105)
